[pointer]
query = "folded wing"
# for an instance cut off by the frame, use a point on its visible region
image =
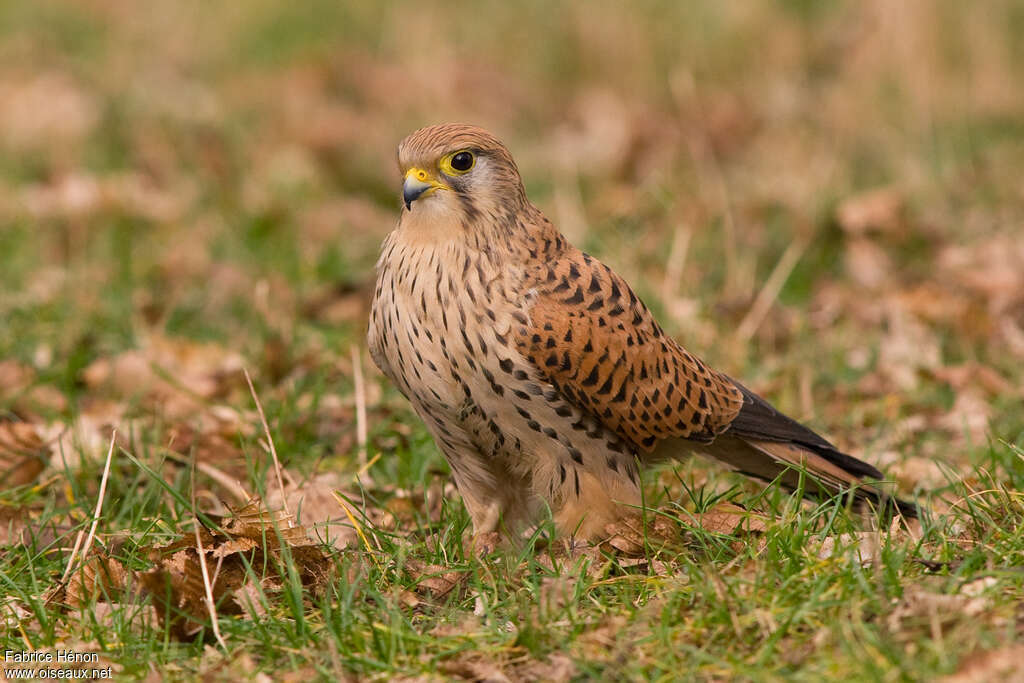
(593, 339)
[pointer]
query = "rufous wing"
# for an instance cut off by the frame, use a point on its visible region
(598, 344)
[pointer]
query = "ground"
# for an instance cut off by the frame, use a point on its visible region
(822, 199)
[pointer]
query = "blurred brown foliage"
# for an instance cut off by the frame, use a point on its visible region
(826, 199)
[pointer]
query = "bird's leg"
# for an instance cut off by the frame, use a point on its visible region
(485, 508)
(487, 518)
(592, 498)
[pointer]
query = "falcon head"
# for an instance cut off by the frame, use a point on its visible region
(457, 171)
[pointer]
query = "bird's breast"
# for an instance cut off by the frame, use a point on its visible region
(440, 314)
(444, 329)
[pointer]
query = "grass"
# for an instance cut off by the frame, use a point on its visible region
(194, 190)
(771, 609)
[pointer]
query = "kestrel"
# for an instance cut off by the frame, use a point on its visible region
(543, 378)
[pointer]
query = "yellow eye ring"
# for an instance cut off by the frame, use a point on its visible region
(458, 163)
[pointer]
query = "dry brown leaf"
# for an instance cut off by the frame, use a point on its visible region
(625, 541)
(87, 438)
(23, 454)
(867, 263)
(1002, 664)
(937, 302)
(404, 507)
(317, 509)
(401, 510)
(475, 666)
(42, 398)
(256, 522)
(235, 545)
(866, 544)
(13, 524)
(968, 418)
(973, 374)
(912, 472)
(432, 579)
(908, 348)
(602, 642)
(922, 607)
(251, 598)
(12, 612)
(216, 453)
(178, 375)
(45, 108)
(253, 539)
(112, 614)
(731, 519)
(627, 535)
(101, 577)
(178, 592)
(459, 624)
(989, 269)
(878, 210)
(14, 378)
(556, 668)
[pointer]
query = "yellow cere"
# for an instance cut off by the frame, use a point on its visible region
(418, 174)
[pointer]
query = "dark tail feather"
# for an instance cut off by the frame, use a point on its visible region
(773, 460)
(761, 442)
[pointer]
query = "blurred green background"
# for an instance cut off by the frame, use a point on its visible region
(824, 199)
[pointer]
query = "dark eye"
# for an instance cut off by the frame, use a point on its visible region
(463, 161)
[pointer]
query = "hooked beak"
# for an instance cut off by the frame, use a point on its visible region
(418, 183)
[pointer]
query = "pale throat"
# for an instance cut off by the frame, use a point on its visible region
(431, 221)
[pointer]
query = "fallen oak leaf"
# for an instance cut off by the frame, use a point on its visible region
(1000, 664)
(101, 576)
(880, 210)
(22, 454)
(250, 553)
(633, 535)
(475, 666)
(731, 519)
(14, 378)
(919, 606)
(867, 545)
(973, 374)
(235, 545)
(432, 579)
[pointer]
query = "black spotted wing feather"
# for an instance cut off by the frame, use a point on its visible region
(593, 339)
